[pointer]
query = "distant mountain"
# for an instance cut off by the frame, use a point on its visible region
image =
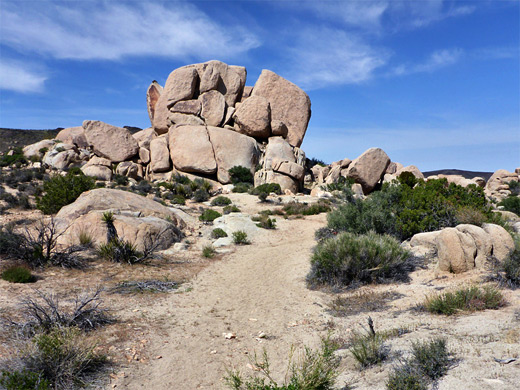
(13, 138)
(465, 174)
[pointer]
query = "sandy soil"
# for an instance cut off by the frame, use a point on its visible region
(176, 340)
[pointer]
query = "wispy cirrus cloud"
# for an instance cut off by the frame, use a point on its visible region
(327, 57)
(112, 31)
(20, 77)
(437, 60)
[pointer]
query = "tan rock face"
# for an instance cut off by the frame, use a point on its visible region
(129, 169)
(178, 118)
(61, 156)
(456, 251)
(99, 168)
(286, 183)
(191, 150)
(228, 80)
(144, 137)
(153, 93)
(111, 142)
(73, 136)
(497, 187)
(180, 85)
(288, 102)
(34, 149)
(483, 242)
(253, 117)
(369, 168)
(187, 107)
(289, 168)
(503, 243)
(160, 155)
(277, 148)
(136, 218)
(213, 107)
(278, 128)
(232, 149)
(144, 155)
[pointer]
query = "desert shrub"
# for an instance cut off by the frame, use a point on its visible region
(16, 157)
(120, 251)
(230, 209)
(465, 299)
(429, 361)
(18, 274)
(200, 195)
(240, 238)
(242, 187)
(208, 251)
(178, 199)
(23, 380)
(10, 242)
(267, 188)
(470, 215)
(62, 357)
(368, 348)
(143, 188)
(44, 312)
(144, 286)
(62, 190)
(511, 267)
(407, 179)
(406, 377)
(315, 161)
(343, 184)
(262, 196)
(511, 203)
(296, 208)
(221, 201)
(85, 239)
(240, 174)
(218, 233)
(514, 187)
(180, 179)
(349, 258)
(21, 200)
(265, 222)
(314, 370)
(209, 215)
(402, 211)
(120, 180)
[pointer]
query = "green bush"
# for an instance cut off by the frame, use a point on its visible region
(218, 233)
(221, 201)
(349, 258)
(16, 157)
(200, 195)
(17, 274)
(120, 180)
(511, 203)
(402, 211)
(230, 209)
(178, 199)
(511, 266)
(62, 357)
(208, 251)
(314, 370)
(240, 174)
(368, 348)
(267, 188)
(241, 187)
(429, 361)
(240, 238)
(120, 251)
(265, 222)
(62, 190)
(514, 187)
(209, 215)
(465, 299)
(23, 380)
(296, 208)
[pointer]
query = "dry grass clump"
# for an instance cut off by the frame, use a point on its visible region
(465, 299)
(359, 302)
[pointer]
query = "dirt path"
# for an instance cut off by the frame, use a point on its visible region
(258, 288)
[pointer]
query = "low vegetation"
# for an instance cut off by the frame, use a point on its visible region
(465, 299)
(348, 259)
(313, 370)
(264, 221)
(60, 191)
(296, 208)
(221, 201)
(402, 211)
(429, 361)
(218, 233)
(144, 286)
(507, 273)
(511, 203)
(368, 348)
(240, 238)
(209, 252)
(209, 215)
(240, 174)
(267, 188)
(18, 274)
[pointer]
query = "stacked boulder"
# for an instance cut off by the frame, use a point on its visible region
(497, 187)
(205, 121)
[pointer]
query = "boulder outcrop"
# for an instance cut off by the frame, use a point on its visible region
(369, 168)
(111, 142)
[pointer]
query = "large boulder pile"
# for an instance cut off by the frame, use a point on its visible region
(497, 187)
(205, 121)
(464, 247)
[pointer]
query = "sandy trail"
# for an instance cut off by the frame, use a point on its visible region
(257, 288)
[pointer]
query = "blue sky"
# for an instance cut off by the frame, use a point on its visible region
(435, 83)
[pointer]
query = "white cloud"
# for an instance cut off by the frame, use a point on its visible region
(110, 30)
(18, 77)
(437, 60)
(328, 57)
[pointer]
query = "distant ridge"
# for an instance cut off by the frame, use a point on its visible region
(465, 174)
